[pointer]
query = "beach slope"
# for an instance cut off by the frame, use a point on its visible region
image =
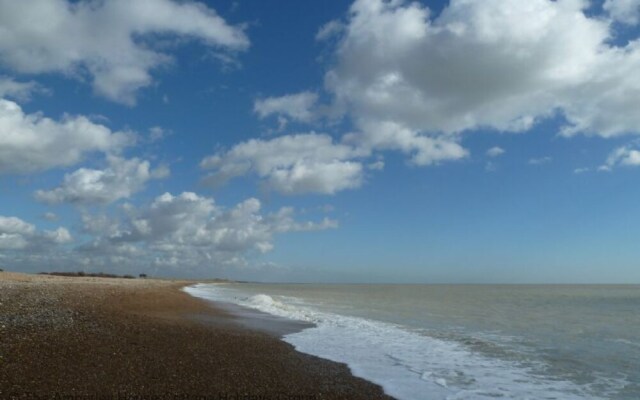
(78, 337)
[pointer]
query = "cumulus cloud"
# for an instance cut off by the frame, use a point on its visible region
(298, 107)
(497, 64)
(495, 151)
(625, 11)
(413, 81)
(121, 179)
(32, 142)
(422, 149)
(21, 91)
(16, 234)
(184, 234)
(293, 164)
(192, 231)
(626, 156)
(109, 41)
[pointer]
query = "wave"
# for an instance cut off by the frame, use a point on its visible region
(407, 363)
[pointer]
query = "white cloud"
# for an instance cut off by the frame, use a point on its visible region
(625, 11)
(16, 234)
(110, 41)
(604, 168)
(161, 172)
(49, 216)
(32, 142)
(494, 63)
(605, 105)
(121, 179)
(540, 160)
(20, 91)
(423, 149)
(413, 82)
(299, 106)
(626, 156)
(157, 133)
(294, 164)
(329, 30)
(184, 234)
(495, 151)
(191, 231)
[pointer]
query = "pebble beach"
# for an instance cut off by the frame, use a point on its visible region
(82, 337)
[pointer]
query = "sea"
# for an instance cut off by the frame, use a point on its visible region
(463, 341)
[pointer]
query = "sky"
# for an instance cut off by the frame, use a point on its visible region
(461, 141)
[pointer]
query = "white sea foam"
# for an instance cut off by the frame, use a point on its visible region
(408, 364)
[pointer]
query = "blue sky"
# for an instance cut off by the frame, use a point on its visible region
(368, 141)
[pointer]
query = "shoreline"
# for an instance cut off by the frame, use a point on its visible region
(247, 318)
(109, 337)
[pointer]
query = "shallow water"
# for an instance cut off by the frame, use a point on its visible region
(465, 341)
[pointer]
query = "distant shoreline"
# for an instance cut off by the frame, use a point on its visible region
(88, 336)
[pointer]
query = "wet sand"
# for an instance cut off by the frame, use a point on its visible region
(118, 338)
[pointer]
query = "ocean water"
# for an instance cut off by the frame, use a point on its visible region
(464, 341)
